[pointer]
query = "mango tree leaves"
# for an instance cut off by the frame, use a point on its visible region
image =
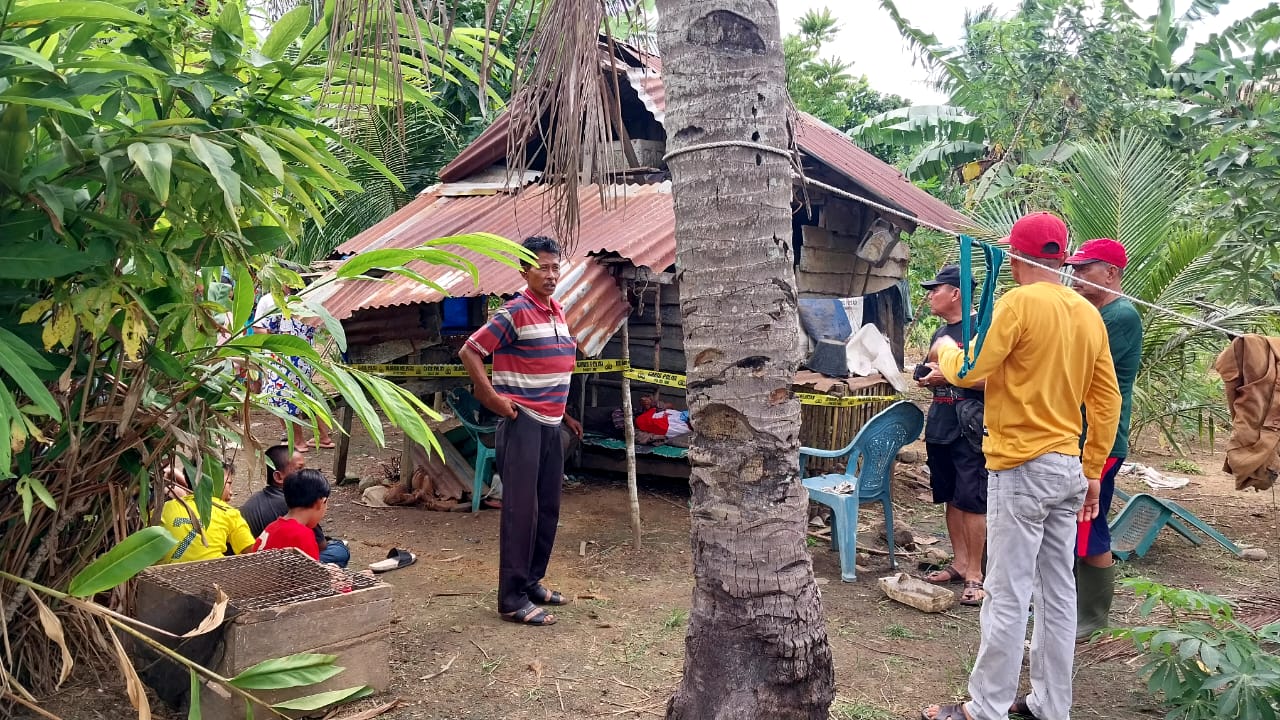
(285, 31)
(134, 554)
(221, 166)
(154, 161)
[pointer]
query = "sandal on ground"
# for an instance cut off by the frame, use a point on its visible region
(529, 615)
(954, 711)
(948, 574)
(543, 596)
(396, 559)
(327, 446)
(1021, 709)
(493, 503)
(973, 593)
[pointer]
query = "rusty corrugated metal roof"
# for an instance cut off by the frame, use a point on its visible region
(638, 224)
(876, 177)
(872, 176)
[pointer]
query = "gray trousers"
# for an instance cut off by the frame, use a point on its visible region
(1031, 534)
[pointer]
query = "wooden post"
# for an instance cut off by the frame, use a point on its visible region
(657, 340)
(629, 431)
(344, 445)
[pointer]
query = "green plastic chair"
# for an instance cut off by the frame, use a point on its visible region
(1134, 530)
(870, 470)
(480, 424)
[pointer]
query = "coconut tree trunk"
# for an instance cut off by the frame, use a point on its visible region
(757, 644)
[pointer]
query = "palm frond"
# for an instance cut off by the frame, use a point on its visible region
(1127, 190)
(928, 51)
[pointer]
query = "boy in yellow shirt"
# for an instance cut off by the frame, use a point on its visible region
(226, 528)
(1045, 356)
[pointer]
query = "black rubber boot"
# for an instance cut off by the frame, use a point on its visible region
(1095, 587)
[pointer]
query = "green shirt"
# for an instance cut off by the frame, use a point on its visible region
(1124, 334)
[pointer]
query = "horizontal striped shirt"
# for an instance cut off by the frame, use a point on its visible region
(533, 355)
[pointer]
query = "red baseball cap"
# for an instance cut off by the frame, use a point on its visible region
(1040, 235)
(1100, 250)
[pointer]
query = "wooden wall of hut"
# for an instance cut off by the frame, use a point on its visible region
(656, 334)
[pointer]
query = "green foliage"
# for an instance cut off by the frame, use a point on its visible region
(153, 160)
(822, 86)
(678, 618)
(1052, 73)
(1136, 190)
(1205, 663)
(119, 564)
(1183, 465)
(935, 139)
(287, 672)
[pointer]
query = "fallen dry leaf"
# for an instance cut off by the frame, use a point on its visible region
(53, 628)
(133, 685)
(215, 617)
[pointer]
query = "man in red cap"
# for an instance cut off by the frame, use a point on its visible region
(1045, 355)
(1100, 263)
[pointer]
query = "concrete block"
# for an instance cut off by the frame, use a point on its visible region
(917, 593)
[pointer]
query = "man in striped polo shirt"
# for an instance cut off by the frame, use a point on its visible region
(533, 356)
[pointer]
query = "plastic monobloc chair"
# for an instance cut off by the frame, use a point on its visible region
(473, 417)
(869, 471)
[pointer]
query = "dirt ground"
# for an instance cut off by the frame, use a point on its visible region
(617, 653)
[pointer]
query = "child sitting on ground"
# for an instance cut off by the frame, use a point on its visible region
(226, 533)
(306, 493)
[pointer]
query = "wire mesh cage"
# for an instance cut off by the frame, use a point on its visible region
(260, 580)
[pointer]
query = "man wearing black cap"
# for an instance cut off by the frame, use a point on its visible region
(957, 468)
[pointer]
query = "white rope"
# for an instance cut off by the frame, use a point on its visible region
(728, 144)
(1065, 274)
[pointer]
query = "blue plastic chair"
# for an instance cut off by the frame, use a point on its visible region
(474, 417)
(870, 470)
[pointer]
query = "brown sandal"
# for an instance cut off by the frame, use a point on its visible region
(973, 594)
(946, 575)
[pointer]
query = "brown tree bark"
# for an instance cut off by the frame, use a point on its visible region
(757, 643)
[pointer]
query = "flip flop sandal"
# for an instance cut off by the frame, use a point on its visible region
(973, 594)
(396, 559)
(952, 576)
(1021, 709)
(529, 615)
(543, 596)
(946, 712)
(327, 446)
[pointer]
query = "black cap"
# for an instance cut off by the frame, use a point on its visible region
(948, 275)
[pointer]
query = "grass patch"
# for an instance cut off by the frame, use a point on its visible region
(676, 620)
(1183, 465)
(842, 710)
(902, 632)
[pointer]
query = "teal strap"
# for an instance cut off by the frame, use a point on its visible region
(994, 258)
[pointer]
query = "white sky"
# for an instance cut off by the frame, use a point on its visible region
(870, 41)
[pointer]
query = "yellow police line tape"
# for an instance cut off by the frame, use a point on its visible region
(608, 366)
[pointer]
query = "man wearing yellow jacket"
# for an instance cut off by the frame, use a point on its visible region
(1045, 356)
